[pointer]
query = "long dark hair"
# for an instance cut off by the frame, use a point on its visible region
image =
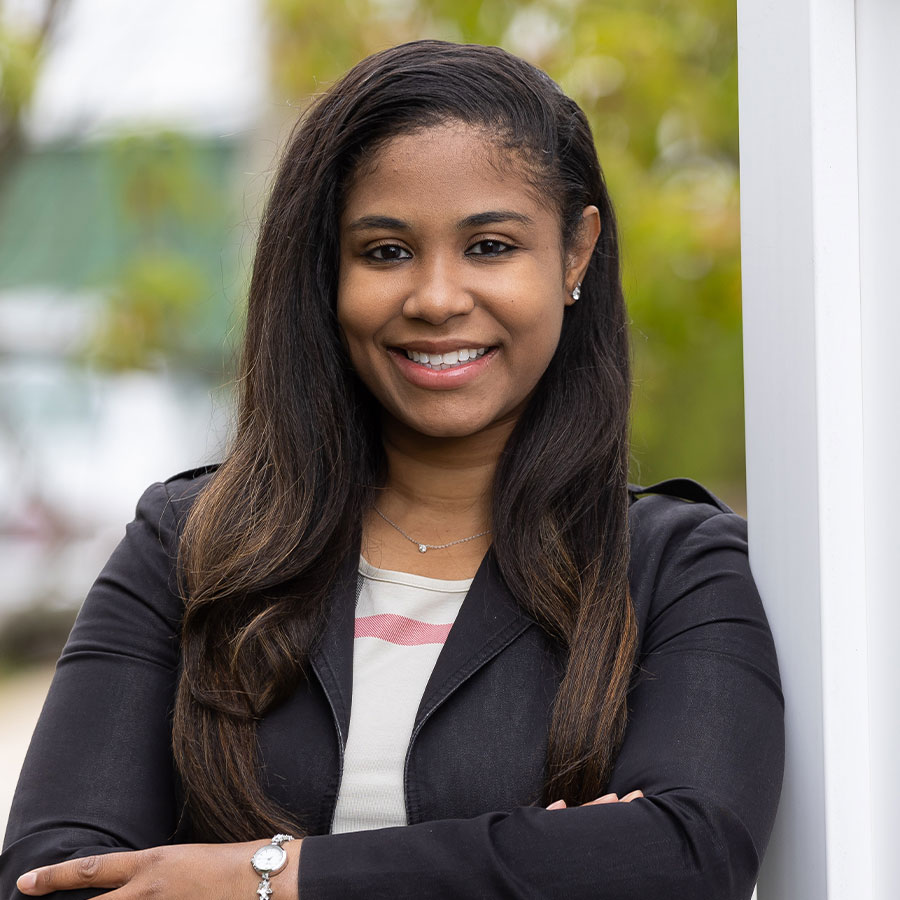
(265, 539)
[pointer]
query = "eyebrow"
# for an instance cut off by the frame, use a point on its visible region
(385, 222)
(494, 217)
(477, 220)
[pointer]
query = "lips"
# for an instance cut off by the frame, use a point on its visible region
(441, 361)
(441, 375)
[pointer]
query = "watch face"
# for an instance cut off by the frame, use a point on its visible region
(270, 858)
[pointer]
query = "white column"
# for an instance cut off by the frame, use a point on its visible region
(811, 499)
(878, 99)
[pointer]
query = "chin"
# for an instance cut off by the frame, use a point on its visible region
(448, 424)
(457, 421)
(445, 429)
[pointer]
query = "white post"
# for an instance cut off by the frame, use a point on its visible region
(878, 85)
(811, 327)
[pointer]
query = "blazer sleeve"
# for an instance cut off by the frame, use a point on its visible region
(704, 742)
(98, 776)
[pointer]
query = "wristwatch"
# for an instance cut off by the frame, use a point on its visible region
(270, 860)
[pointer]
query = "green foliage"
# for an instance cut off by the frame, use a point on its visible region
(160, 180)
(152, 313)
(160, 293)
(658, 80)
(19, 66)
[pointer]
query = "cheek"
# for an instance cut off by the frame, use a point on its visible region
(548, 341)
(360, 321)
(366, 300)
(537, 341)
(538, 325)
(356, 316)
(354, 319)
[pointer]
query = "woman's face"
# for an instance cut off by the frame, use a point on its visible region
(453, 281)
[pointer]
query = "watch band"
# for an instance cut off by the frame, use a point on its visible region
(264, 891)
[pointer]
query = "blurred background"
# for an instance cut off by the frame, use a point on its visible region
(137, 144)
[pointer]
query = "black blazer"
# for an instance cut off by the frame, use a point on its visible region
(704, 741)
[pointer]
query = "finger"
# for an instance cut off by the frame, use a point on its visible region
(634, 795)
(105, 870)
(606, 798)
(557, 804)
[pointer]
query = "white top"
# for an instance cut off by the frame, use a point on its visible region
(402, 622)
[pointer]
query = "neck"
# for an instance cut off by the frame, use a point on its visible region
(444, 477)
(438, 491)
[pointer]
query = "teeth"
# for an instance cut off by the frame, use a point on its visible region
(441, 361)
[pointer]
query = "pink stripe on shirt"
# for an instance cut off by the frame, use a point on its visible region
(400, 630)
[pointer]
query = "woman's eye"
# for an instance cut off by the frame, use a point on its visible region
(389, 252)
(490, 247)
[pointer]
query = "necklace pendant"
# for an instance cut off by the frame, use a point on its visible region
(422, 548)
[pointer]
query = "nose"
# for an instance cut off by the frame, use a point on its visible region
(438, 292)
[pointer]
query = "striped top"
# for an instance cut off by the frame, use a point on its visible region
(402, 621)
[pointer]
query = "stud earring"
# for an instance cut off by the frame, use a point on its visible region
(576, 292)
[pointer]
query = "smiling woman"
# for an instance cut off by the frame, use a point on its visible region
(417, 614)
(439, 256)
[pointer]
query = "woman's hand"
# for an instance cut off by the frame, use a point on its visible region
(606, 798)
(174, 872)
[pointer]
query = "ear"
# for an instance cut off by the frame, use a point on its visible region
(579, 255)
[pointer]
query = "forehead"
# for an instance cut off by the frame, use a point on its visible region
(447, 170)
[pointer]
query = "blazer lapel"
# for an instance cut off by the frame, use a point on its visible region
(332, 660)
(488, 620)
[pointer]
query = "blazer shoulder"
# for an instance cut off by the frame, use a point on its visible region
(183, 488)
(676, 525)
(681, 488)
(663, 510)
(190, 481)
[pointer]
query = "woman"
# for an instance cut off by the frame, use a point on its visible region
(434, 406)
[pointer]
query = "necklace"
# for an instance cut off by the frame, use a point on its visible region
(423, 547)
